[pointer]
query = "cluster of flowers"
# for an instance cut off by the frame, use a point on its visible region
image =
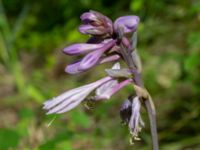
(103, 46)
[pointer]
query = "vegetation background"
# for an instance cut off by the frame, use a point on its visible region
(32, 35)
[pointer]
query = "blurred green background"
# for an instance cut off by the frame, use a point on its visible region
(32, 35)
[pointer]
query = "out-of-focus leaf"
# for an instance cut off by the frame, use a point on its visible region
(80, 118)
(64, 145)
(8, 139)
(62, 136)
(136, 5)
(35, 94)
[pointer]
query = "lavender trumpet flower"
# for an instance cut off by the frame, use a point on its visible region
(106, 87)
(109, 42)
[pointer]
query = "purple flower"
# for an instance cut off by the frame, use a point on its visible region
(105, 88)
(91, 59)
(130, 114)
(71, 98)
(128, 23)
(95, 23)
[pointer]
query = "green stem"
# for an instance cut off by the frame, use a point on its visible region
(152, 118)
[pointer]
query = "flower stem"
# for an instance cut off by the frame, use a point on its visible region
(147, 101)
(152, 118)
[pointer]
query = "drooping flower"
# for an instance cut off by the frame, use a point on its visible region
(135, 123)
(130, 114)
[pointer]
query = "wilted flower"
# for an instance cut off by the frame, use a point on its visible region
(130, 114)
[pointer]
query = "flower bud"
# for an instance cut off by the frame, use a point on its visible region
(93, 58)
(95, 23)
(129, 23)
(81, 48)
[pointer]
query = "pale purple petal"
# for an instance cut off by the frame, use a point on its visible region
(81, 48)
(129, 23)
(69, 107)
(72, 98)
(105, 87)
(116, 66)
(135, 122)
(54, 101)
(107, 93)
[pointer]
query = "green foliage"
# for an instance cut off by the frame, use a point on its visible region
(32, 34)
(8, 139)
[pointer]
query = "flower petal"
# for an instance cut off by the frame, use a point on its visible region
(105, 87)
(135, 120)
(112, 88)
(116, 66)
(71, 98)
